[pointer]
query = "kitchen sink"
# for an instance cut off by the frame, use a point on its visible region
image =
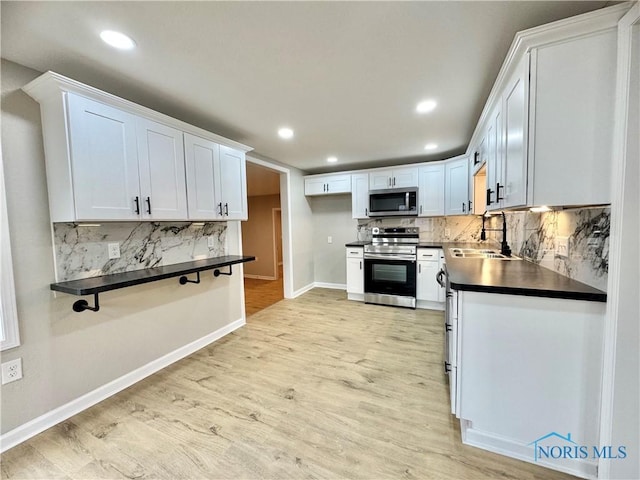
(484, 253)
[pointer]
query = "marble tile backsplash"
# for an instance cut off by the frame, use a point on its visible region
(81, 251)
(530, 235)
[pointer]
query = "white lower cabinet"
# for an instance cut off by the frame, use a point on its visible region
(429, 294)
(355, 273)
(526, 367)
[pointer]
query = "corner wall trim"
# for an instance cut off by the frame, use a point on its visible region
(303, 290)
(57, 415)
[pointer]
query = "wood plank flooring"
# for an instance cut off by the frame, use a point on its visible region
(316, 387)
(260, 294)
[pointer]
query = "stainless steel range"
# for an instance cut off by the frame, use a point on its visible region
(390, 266)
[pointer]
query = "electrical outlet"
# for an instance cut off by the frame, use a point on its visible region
(562, 246)
(12, 371)
(329, 239)
(210, 242)
(114, 250)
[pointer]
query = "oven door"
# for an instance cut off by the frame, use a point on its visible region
(389, 276)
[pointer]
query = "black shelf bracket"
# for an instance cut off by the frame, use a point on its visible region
(82, 305)
(184, 280)
(217, 272)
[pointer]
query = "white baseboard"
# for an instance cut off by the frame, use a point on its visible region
(57, 415)
(511, 448)
(428, 305)
(334, 286)
(303, 290)
(259, 277)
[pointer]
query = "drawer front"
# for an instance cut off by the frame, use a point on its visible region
(429, 254)
(355, 252)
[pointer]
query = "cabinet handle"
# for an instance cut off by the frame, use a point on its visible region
(420, 209)
(447, 327)
(148, 205)
(226, 209)
(220, 209)
(489, 192)
(366, 212)
(498, 187)
(464, 207)
(360, 264)
(394, 181)
(419, 268)
(447, 367)
(470, 203)
(476, 158)
(137, 201)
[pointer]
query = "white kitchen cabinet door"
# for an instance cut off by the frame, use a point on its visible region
(201, 157)
(360, 195)
(515, 111)
(427, 288)
(104, 161)
(431, 190)
(456, 187)
(495, 158)
(163, 189)
(400, 177)
(327, 184)
(355, 273)
(380, 179)
(405, 177)
(231, 187)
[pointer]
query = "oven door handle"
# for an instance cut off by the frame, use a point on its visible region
(439, 278)
(411, 258)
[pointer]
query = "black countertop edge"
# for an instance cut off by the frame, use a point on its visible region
(532, 292)
(358, 243)
(114, 281)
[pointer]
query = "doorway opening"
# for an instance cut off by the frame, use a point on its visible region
(262, 238)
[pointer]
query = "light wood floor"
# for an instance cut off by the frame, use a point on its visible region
(260, 294)
(316, 387)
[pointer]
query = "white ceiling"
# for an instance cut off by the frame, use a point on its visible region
(346, 76)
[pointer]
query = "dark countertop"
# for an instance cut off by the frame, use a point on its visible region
(103, 283)
(358, 243)
(514, 277)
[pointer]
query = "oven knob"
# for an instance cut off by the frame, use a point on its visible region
(375, 230)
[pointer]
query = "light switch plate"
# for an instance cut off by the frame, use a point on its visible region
(329, 239)
(210, 241)
(114, 250)
(562, 246)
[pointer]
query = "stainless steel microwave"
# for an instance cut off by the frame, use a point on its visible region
(393, 202)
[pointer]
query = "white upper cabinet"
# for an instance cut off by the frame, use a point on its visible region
(110, 159)
(104, 163)
(330, 184)
(232, 190)
(572, 103)
(515, 108)
(456, 187)
(360, 195)
(431, 190)
(162, 176)
(216, 180)
(548, 122)
(399, 177)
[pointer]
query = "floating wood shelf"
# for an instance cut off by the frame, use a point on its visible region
(95, 285)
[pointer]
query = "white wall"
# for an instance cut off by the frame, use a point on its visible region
(331, 217)
(67, 354)
(301, 226)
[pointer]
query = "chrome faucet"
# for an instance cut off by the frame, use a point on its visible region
(504, 246)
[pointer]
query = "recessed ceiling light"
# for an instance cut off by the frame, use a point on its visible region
(332, 159)
(426, 106)
(117, 40)
(285, 132)
(431, 146)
